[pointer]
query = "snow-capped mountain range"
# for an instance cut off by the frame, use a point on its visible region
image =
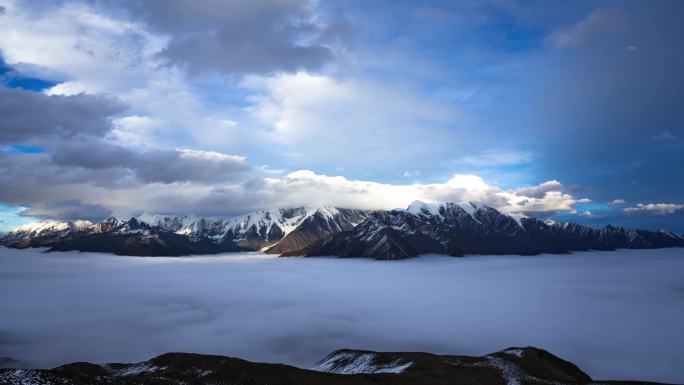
(149, 234)
(444, 228)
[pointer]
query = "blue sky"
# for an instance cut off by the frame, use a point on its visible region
(564, 110)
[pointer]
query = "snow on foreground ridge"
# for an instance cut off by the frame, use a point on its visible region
(614, 314)
(354, 362)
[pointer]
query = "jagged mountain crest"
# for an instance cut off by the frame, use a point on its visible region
(452, 228)
(469, 228)
(162, 234)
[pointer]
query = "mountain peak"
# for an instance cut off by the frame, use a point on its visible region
(420, 207)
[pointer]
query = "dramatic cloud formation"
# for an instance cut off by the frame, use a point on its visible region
(211, 107)
(653, 208)
(210, 184)
(297, 310)
(156, 165)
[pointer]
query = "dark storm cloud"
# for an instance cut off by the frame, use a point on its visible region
(26, 115)
(167, 166)
(260, 36)
(65, 189)
(153, 165)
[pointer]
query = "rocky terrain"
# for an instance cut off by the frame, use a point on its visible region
(513, 366)
(469, 228)
(444, 228)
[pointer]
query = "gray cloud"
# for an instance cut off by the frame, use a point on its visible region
(26, 115)
(67, 210)
(261, 36)
(154, 165)
(167, 166)
(540, 190)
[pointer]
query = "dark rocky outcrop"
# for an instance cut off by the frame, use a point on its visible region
(528, 365)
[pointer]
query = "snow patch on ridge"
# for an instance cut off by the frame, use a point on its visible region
(419, 207)
(135, 369)
(287, 220)
(21, 376)
(176, 223)
(348, 362)
(47, 227)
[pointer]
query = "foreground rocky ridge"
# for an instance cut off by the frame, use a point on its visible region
(513, 366)
(446, 228)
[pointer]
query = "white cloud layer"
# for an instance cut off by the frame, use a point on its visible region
(79, 306)
(228, 198)
(653, 208)
(348, 122)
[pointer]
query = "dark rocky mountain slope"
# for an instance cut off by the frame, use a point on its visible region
(469, 228)
(275, 231)
(513, 366)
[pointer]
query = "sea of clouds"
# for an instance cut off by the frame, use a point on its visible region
(617, 315)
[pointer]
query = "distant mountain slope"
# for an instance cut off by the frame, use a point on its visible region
(319, 225)
(512, 366)
(468, 228)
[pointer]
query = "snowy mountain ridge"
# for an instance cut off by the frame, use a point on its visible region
(452, 228)
(469, 228)
(259, 230)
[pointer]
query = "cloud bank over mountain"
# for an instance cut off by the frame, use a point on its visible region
(219, 108)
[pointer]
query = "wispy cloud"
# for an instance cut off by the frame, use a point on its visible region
(665, 135)
(496, 158)
(653, 208)
(599, 22)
